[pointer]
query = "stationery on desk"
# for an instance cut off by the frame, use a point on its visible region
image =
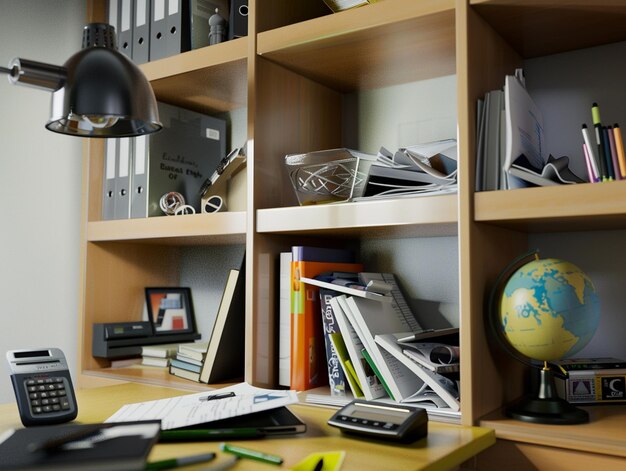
(120, 446)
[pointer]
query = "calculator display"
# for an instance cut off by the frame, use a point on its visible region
(380, 413)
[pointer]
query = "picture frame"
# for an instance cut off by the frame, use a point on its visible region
(170, 310)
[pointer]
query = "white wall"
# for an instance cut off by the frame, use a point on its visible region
(40, 189)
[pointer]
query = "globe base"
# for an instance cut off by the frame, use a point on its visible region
(553, 411)
(547, 407)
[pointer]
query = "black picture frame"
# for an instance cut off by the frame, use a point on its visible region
(170, 310)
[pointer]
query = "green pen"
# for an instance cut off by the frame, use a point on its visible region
(178, 462)
(208, 434)
(251, 454)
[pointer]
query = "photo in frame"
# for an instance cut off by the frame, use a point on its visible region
(170, 310)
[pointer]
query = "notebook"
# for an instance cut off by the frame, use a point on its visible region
(121, 446)
(269, 423)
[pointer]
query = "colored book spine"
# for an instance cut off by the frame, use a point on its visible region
(307, 338)
(336, 377)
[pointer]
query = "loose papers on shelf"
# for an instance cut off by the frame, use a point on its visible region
(194, 409)
(422, 169)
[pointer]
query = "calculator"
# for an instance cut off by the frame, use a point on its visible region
(43, 386)
(381, 420)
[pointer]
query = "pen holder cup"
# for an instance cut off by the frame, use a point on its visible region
(328, 176)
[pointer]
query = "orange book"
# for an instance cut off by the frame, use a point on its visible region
(308, 354)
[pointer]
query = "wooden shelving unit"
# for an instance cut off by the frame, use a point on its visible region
(294, 75)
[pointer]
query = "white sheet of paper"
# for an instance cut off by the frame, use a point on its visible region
(183, 411)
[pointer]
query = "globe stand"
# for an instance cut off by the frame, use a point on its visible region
(547, 407)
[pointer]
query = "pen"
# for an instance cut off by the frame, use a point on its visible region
(597, 124)
(208, 434)
(619, 147)
(593, 151)
(178, 462)
(612, 146)
(214, 397)
(251, 454)
(607, 153)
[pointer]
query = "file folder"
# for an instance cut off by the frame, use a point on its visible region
(141, 32)
(122, 179)
(139, 178)
(112, 15)
(125, 27)
(158, 26)
(178, 34)
(108, 185)
(238, 23)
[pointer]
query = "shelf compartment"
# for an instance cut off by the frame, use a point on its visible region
(383, 44)
(402, 217)
(555, 208)
(194, 229)
(604, 434)
(535, 29)
(211, 79)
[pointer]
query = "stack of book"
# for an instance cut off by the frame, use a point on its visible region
(158, 355)
(222, 357)
(187, 362)
(382, 349)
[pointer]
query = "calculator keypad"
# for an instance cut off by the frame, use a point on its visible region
(47, 395)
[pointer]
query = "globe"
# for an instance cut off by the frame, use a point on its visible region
(549, 309)
(543, 310)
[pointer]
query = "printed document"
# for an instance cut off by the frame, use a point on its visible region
(199, 408)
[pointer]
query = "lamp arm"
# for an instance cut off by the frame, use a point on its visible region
(36, 74)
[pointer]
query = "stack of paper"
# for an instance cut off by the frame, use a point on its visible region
(423, 169)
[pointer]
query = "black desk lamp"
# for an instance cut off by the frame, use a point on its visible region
(98, 92)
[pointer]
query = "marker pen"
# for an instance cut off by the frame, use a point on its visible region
(251, 454)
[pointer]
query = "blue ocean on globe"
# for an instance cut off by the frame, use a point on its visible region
(549, 309)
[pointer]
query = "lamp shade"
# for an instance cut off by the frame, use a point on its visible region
(98, 92)
(104, 95)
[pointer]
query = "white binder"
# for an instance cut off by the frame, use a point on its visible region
(140, 178)
(108, 184)
(125, 27)
(141, 32)
(122, 179)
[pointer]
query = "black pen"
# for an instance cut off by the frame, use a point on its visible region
(214, 397)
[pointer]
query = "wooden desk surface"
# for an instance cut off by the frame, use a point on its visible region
(445, 447)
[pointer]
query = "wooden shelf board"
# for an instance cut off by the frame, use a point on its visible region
(535, 29)
(555, 208)
(605, 433)
(369, 47)
(195, 229)
(151, 375)
(211, 79)
(403, 217)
